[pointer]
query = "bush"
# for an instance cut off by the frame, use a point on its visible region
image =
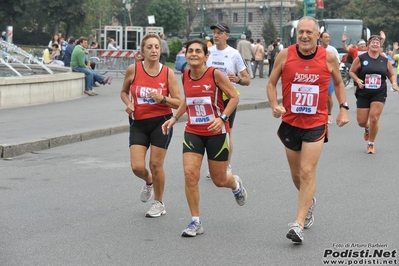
(175, 47)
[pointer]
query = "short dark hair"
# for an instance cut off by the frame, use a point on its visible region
(321, 35)
(200, 41)
(81, 39)
(54, 45)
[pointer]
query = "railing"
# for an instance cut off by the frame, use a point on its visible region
(111, 60)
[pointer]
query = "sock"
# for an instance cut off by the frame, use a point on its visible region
(148, 185)
(371, 143)
(196, 219)
(237, 189)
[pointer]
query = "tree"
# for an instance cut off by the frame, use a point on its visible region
(382, 18)
(269, 32)
(169, 14)
(139, 12)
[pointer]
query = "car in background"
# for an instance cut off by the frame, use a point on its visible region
(181, 63)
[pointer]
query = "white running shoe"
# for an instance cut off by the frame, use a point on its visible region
(193, 229)
(157, 209)
(146, 193)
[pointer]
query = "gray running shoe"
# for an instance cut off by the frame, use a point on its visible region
(241, 195)
(157, 209)
(193, 229)
(146, 193)
(309, 220)
(296, 232)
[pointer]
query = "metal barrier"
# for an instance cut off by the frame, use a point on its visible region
(111, 60)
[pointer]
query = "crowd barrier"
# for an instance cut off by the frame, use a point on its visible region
(111, 60)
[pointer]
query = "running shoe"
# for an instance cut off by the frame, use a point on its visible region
(370, 149)
(366, 134)
(193, 229)
(146, 193)
(330, 119)
(309, 220)
(296, 232)
(157, 209)
(208, 174)
(241, 194)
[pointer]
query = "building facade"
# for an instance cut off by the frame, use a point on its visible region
(245, 13)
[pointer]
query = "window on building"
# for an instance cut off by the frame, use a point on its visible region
(250, 17)
(220, 17)
(235, 17)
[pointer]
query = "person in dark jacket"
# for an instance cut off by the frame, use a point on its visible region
(68, 51)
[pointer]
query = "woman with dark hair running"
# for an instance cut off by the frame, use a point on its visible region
(206, 129)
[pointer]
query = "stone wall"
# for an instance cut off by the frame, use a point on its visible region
(40, 88)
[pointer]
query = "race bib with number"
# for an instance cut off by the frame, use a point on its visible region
(200, 110)
(304, 98)
(143, 95)
(372, 81)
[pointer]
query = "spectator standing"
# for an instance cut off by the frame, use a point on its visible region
(273, 55)
(252, 42)
(149, 91)
(112, 44)
(245, 49)
(270, 60)
(164, 50)
(280, 45)
(208, 41)
(259, 52)
(209, 134)
(93, 44)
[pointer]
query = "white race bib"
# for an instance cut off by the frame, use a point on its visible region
(200, 110)
(304, 98)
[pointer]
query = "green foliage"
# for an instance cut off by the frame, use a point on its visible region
(269, 32)
(168, 14)
(175, 47)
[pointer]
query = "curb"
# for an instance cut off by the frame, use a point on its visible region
(8, 151)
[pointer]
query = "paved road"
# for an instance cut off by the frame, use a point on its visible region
(79, 204)
(34, 128)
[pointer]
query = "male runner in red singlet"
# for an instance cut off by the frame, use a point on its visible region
(305, 70)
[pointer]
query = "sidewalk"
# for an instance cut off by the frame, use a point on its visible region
(40, 127)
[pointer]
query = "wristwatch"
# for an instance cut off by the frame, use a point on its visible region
(344, 105)
(163, 100)
(224, 117)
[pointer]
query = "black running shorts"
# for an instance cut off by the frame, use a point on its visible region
(292, 137)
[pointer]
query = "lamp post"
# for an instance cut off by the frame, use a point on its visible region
(202, 8)
(245, 15)
(281, 19)
(124, 12)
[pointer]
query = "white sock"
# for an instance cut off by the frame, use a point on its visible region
(238, 187)
(196, 219)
